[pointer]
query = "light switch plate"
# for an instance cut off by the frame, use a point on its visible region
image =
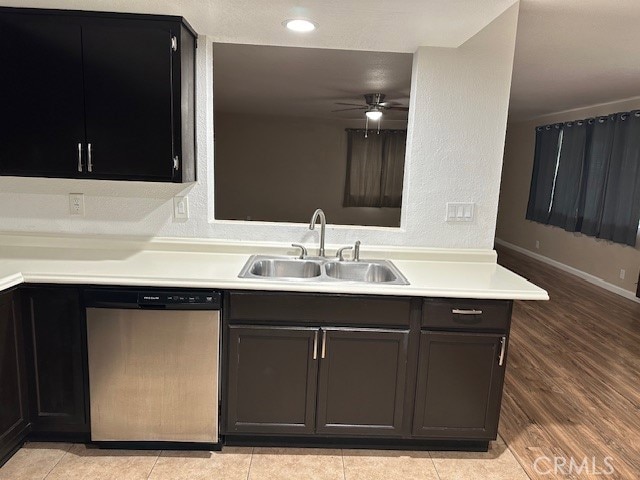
(181, 208)
(460, 212)
(76, 204)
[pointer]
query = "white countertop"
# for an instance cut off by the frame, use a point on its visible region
(431, 273)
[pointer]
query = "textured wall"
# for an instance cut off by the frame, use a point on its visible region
(457, 121)
(597, 257)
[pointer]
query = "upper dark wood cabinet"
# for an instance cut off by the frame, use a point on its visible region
(97, 95)
(272, 380)
(128, 99)
(459, 388)
(54, 328)
(14, 421)
(42, 120)
(362, 381)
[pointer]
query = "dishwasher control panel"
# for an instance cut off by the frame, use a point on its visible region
(159, 299)
(204, 300)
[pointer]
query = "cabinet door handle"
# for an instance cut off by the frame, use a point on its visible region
(324, 344)
(80, 157)
(315, 345)
(503, 345)
(457, 311)
(89, 161)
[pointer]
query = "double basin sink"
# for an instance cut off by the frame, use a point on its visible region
(322, 270)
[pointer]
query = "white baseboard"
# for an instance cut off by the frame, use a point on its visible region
(574, 271)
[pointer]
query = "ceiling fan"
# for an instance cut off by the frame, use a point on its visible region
(375, 106)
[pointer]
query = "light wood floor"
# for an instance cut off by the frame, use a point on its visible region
(573, 379)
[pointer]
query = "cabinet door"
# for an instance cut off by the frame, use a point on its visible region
(362, 381)
(272, 380)
(128, 95)
(55, 353)
(14, 421)
(459, 385)
(42, 120)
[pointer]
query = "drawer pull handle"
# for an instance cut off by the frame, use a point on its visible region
(503, 343)
(457, 311)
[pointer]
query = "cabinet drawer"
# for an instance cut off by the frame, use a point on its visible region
(321, 309)
(465, 314)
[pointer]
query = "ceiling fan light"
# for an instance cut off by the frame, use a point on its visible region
(300, 25)
(373, 114)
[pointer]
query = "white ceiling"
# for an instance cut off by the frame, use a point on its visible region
(306, 82)
(382, 25)
(574, 53)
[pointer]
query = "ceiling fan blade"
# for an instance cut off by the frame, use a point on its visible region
(404, 109)
(352, 108)
(351, 104)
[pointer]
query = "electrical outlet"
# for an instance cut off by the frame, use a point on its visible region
(537, 244)
(76, 204)
(622, 273)
(181, 208)
(460, 212)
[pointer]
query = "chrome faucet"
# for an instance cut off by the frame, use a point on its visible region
(323, 225)
(356, 251)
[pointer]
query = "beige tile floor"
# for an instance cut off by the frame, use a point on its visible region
(63, 461)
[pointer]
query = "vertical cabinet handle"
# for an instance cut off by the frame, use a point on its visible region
(503, 345)
(80, 157)
(89, 161)
(324, 344)
(315, 345)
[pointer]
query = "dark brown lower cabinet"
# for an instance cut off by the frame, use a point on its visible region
(55, 351)
(272, 380)
(14, 419)
(362, 381)
(327, 381)
(459, 388)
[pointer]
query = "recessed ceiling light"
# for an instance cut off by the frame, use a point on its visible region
(300, 25)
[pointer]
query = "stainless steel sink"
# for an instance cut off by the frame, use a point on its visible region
(288, 268)
(318, 269)
(360, 272)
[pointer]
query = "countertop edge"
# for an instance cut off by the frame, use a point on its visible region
(242, 284)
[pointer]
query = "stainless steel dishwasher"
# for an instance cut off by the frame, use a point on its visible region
(153, 365)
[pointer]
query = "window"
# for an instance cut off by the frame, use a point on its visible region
(375, 168)
(586, 177)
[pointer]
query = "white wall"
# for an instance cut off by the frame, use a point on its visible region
(459, 100)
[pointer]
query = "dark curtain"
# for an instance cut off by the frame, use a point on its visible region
(621, 211)
(596, 170)
(393, 168)
(565, 204)
(586, 177)
(375, 168)
(544, 167)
